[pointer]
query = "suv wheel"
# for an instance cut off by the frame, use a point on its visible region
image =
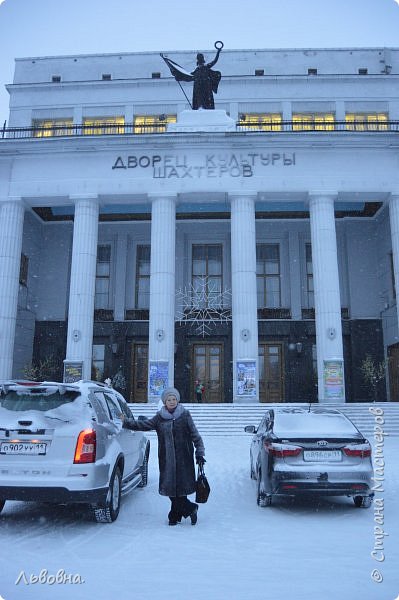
(144, 470)
(262, 498)
(110, 511)
(362, 501)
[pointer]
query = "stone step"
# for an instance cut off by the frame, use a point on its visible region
(230, 419)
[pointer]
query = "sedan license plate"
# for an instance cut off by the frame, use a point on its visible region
(23, 448)
(322, 455)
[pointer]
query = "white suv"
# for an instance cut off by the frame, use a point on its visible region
(64, 443)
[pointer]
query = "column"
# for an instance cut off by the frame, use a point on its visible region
(244, 298)
(83, 281)
(162, 291)
(394, 221)
(11, 227)
(330, 365)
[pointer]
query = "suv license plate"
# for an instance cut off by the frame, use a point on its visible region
(322, 455)
(23, 448)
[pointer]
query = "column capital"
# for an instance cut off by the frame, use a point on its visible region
(322, 194)
(76, 197)
(12, 200)
(162, 196)
(242, 194)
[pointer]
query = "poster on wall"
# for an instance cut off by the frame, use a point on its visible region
(246, 377)
(159, 377)
(73, 371)
(333, 377)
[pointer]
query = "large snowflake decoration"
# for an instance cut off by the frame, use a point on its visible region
(203, 305)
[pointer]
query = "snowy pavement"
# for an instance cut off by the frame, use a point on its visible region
(237, 551)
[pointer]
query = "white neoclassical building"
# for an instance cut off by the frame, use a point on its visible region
(252, 250)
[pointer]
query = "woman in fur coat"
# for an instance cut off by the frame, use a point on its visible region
(177, 437)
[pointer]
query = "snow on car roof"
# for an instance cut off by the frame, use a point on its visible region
(300, 422)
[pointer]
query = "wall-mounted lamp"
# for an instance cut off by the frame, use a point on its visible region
(296, 346)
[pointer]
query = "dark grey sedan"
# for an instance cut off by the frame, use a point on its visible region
(297, 451)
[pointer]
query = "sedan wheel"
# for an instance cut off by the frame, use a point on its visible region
(262, 498)
(110, 511)
(362, 501)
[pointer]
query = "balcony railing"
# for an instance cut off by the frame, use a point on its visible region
(129, 129)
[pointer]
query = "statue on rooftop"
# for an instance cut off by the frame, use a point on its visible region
(205, 80)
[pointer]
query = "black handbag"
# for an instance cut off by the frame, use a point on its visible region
(202, 487)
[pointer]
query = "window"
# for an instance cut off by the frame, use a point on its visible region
(103, 125)
(268, 275)
(366, 121)
(113, 407)
(106, 76)
(143, 265)
(259, 72)
(98, 359)
(56, 78)
(103, 271)
(362, 71)
(152, 123)
(207, 275)
(313, 121)
(312, 71)
(52, 127)
(309, 277)
(260, 121)
(23, 270)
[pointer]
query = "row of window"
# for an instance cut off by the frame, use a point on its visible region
(206, 276)
(102, 125)
(367, 121)
(364, 121)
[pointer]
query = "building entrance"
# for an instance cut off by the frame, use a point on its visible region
(271, 378)
(207, 364)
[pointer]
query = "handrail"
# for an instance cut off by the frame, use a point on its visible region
(57, 131)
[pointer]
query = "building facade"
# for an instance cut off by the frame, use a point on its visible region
(252, 250)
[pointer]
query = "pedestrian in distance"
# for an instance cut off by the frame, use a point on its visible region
(177, 437)
(199, 390)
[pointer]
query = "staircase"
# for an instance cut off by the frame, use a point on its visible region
(230, 419)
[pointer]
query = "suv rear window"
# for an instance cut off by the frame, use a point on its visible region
(37, 399)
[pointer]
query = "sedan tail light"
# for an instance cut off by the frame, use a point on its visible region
(358, 450)
(85, 447)
(282, 450)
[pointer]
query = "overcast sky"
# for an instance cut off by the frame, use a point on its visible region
(58, 27)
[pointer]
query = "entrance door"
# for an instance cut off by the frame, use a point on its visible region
(271, 373)
(139, 373)
(393, 369)
(208, 363)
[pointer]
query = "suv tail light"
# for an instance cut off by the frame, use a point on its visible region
(85, 447)
(282, 450)
(358, 450)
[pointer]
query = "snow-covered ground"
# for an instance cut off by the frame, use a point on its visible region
(237, 551)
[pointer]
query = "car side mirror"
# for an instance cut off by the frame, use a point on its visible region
(250, 429)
